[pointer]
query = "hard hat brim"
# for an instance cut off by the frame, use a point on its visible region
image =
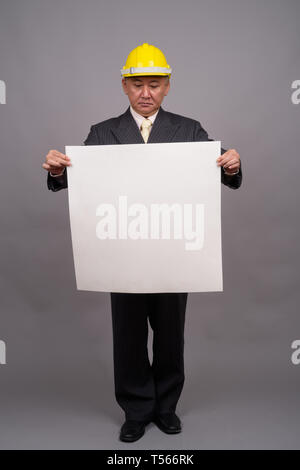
(146, 74)
(140, 71)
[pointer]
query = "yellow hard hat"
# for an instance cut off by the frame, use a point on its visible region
(146, 60)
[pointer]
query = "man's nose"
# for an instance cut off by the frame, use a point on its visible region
(145, 92)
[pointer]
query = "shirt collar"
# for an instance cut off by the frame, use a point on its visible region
(139, 118)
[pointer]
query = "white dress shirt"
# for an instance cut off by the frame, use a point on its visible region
(139, 119)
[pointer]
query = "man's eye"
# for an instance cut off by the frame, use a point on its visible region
(152, 86)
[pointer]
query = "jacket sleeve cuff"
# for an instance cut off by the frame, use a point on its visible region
(56, 183)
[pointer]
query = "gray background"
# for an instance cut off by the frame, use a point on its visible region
(234, 62)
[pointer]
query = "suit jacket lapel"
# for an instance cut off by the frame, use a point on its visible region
(128, 133)
(163, 130)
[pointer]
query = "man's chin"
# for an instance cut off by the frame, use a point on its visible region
(146, 110)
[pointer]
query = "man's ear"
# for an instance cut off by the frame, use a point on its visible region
(167, 88)
(124, 85)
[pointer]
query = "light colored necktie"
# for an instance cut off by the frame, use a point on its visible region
(145, 129)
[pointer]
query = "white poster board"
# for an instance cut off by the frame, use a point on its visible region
(146, 218)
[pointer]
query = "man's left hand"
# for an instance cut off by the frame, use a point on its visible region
(230, 161)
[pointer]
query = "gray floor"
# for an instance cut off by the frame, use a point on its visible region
(232, 400)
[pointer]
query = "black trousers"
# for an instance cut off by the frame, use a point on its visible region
(141, 388)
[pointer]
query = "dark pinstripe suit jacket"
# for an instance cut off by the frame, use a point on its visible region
(167, 127)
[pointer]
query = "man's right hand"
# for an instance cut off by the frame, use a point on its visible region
(56, 162)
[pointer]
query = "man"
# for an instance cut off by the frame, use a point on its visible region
(147, 392)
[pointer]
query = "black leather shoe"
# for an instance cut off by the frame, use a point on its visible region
(168, 423)
(132, 430)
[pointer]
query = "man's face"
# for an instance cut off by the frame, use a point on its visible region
(146, 93)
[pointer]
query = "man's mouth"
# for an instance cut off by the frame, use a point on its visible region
(145, 104)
